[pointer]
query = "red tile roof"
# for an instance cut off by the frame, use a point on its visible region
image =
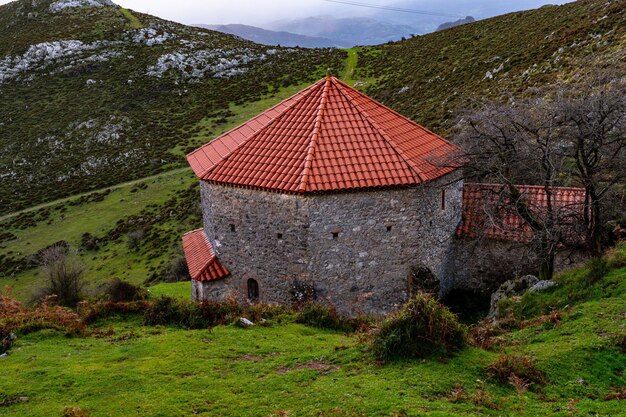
(486, 213)
(201, 258)
(327, 137)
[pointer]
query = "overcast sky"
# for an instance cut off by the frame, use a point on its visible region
(257, 12)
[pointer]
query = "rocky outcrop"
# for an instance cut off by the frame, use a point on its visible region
(61, 5)
(515, 288)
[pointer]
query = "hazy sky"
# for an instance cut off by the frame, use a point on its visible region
(261, 11)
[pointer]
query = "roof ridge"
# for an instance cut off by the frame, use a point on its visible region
(314, 136)
(385, 136)
(303, 94)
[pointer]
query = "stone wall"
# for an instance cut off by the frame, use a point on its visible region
(355, 248)
(482, 265)
(362, 246)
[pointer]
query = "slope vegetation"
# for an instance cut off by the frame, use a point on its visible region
(94, 95)
(431, 78)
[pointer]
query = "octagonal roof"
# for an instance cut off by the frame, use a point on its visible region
(327, 137)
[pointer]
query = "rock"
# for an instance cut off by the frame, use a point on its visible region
(542, 285)
(514, 287)
(4, 355)
(245, 322)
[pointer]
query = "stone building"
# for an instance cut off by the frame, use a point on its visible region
(328, 192)
(333, 195)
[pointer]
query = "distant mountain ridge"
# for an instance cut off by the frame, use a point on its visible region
(448, 25)
(346, 32)
(270, 37)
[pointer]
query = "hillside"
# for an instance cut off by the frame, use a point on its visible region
(431, 78)
(271, 37)
(94, 95)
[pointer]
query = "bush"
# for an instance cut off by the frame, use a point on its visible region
(134, 239)
(121, 291)
(598, 268)
(320, 315)
(63, 274)
(191, 315)
(422, 328)
(90, 312)
(16, 318)
(510, 366)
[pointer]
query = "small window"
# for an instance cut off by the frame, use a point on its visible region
(335, 235)
(232, 228)
(279, 235)
(443, 199)
(389, 228)
(253, 290)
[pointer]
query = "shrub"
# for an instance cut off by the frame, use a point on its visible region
(177, 270)
(16, 318)
(515, 365)
(320, 315)
(63, 273)
(598, 268)
(90, 312)
(189, 314)
(121, 291)
(422, 328)
(134, 239)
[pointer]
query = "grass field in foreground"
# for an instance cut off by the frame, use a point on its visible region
(287, 369)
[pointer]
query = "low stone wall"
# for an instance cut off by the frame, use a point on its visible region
(483, 265)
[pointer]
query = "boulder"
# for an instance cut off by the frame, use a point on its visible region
(542, 285)
(244, 322)
(511, 288)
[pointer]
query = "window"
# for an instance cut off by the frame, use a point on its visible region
(232, 227)
(279, 235)
(389, 228)
(253, 290)
(443, 199)
(335, 235)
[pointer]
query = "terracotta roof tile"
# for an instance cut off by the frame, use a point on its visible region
(486, 214)
(202, 261)
(327, 137)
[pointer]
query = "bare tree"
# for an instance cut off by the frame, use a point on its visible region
(63, 273)
(594, 128)
(517, 144)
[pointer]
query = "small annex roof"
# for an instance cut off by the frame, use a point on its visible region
(487, 215)
(202, 261)
(327, 137)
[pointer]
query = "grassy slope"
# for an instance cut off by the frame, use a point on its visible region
(289, 369)
(431, 78)
(55, 129)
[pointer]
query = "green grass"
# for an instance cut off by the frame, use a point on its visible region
(290, 369)
(180, 290)
(349, 71)
(134, 22)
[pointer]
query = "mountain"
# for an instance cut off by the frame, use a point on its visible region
(439, 12)
(94, 94)
(346, 32)
(432, 78)
(448, 25)
(270, 37)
